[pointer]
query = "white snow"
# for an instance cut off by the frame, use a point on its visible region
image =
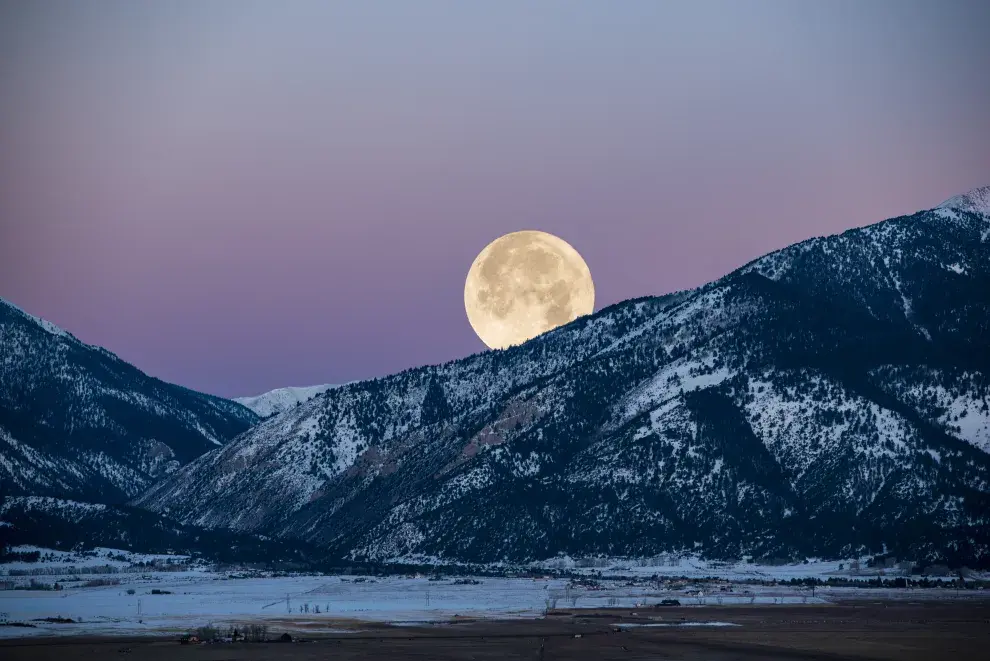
(282, 399)
(962, 409)
(968, 423)
(788, 419)
(637, 625)
(975, 201)
(197, 599)
(670, 382)
(906, 303)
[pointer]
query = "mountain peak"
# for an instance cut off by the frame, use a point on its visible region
(281, 399)
(975, 201)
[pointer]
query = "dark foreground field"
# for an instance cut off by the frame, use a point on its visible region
(860, 630)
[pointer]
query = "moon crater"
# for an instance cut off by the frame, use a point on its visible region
(524, 284)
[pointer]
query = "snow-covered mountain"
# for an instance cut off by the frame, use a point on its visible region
(78, 422)
(827, 399)
(281, 400)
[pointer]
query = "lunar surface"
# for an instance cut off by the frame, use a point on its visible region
(524, 284)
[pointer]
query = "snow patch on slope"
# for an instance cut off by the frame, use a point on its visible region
(959, 402)
(672, 381)
(806, 421)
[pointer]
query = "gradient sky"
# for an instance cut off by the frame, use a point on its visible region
(237, 196)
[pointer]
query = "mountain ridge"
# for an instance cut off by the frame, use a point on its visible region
(851, 367)
(975, 201)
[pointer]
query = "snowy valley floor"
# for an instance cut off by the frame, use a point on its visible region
(170, 603)
(106, 592)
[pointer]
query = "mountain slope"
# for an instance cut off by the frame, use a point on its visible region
(78, 422)
(281, 400)
(826, 399)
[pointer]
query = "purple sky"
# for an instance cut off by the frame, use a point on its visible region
(237, 196)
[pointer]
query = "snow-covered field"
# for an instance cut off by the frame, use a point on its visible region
(198, 595)
(198, 599)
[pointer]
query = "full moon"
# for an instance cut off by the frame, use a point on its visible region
(524, 284)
